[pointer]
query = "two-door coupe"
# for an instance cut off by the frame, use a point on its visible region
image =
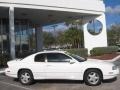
(57, 64)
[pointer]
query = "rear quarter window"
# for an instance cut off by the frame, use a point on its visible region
(40, 58)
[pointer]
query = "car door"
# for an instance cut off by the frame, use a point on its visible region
(59, 67)
(39, 66)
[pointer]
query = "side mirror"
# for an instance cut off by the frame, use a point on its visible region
(72, 61)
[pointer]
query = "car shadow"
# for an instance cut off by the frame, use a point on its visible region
(59, 81)
(55, 81)
(65, 81)
(70, 81)
(110, 80)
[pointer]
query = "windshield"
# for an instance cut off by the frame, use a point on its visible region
(77, 57)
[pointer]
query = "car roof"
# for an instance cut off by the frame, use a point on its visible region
(54, 51)
(51, 51)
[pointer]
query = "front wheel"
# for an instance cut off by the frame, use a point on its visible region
(25, 77)
(93, 77)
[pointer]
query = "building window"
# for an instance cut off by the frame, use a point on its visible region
(4, 36)
(94, 27)
(25, 37)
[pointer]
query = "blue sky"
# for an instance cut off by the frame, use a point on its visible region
(112, 12)
(112, 15)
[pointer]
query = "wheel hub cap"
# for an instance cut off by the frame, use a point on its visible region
(25, 77)
(93, 78)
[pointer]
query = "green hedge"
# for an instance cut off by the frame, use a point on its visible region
(4, 58)
(83, 52)
(103, 50)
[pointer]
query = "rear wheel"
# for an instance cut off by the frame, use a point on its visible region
(93, 77)
(26, 77)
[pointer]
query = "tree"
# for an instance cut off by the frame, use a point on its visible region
(75, 33)
(32, 43)
(74, 37)
(74, 24)
(48, 39)
(60, 38)
(113, 35)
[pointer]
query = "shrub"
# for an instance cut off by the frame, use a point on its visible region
(83, 52)
(103, 50)
(4, 58)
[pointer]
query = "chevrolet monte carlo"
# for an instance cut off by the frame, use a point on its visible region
(57, 64)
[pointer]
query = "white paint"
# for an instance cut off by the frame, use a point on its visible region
(12, 32)
(100, 40)
(51, 8)
(60, 70)
(93, 5)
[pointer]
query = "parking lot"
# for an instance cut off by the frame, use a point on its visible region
(7, 83)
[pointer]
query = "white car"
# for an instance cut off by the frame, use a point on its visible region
(60, 65)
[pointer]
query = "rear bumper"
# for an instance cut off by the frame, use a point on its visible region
(9, 73)
(2, 71)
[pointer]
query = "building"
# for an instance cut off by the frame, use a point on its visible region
(20, 19)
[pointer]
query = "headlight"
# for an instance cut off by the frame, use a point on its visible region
(114, 67)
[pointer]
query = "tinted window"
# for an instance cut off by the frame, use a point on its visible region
(57, 57)
(78, 58)
(40, 58)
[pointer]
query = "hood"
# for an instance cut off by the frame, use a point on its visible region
(98, 62)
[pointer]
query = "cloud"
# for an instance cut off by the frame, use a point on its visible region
(113, 10)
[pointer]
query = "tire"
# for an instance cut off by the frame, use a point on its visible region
(25, 77)
(93, 77)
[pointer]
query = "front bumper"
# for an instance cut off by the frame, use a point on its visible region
(111, 74)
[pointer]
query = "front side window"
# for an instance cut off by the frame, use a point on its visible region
(40, 58)
(78, 58)
(57, 57)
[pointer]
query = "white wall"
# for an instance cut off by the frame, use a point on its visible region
(89, 5)
(99, 40)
